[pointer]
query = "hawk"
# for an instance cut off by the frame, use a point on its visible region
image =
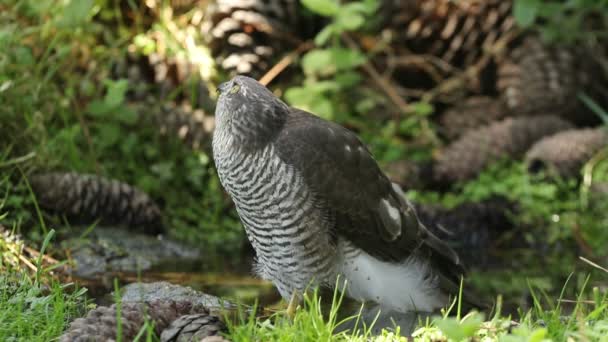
(316, 206)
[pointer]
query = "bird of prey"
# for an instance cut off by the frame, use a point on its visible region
(316, 207)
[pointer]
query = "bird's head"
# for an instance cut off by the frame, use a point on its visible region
(248, 110)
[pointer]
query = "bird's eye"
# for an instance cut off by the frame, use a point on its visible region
(235, 88)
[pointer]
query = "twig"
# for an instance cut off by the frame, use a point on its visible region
(45, 257)
(284, 63)
(23, 259)
(472, 72)
(580, 240)
(593, 264)
(28, 263)
(383, 83)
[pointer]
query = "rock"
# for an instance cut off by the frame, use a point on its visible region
(162, 290)
(109, 249)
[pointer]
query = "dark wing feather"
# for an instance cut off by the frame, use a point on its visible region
(343, 173)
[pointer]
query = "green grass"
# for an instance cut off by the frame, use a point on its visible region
(35, 312)
(34, 304)
(584, 318)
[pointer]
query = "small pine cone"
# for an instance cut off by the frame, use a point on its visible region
(163, 77)
(566, 152)
(100, 323)
(466, 157)
(246, 35)
(458, 32)
(473, 113)
(470, 228)
(193, 328)
(90, 197)
(538, 78)
(193, 127)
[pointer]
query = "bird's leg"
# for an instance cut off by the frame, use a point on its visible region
(294, 301)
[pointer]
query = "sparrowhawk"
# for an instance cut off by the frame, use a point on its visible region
(315, 206)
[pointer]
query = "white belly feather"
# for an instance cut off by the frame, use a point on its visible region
(400, 287)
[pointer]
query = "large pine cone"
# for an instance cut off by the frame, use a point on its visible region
(192, 127)
(538, 78)
(466, 157)
(247, 35)
(474, 112)
(100, 324)
(163, 77)
(457, 33)
(566, 152)
(89, 197)
(194, 327)
(472, 229)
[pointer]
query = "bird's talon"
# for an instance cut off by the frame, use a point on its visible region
(292, 307)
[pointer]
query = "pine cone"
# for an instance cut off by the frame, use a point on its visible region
(90, 197)
(538, 78)
(457, 32)
(100, 323)
(162, 77)
(193, 328)
(246, 35)
(466, 157)
(470, 228)
(193, 127)
(566, 152)
(474, 112)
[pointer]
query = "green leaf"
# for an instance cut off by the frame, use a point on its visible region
(116, 92)
(349, 20)
(367, 7)
(98, 108)
(525, 12)
(108, 134)
(323, 36)
(325, 8)
(348, 79)
(164, 169)
(126, 115)
(365, 105)
(323, 107)
(299, 96)
(322, 87)
(538, 335)
(422, 108)
(458, 331)
(347, 59)
(76, 12)
(318, 61)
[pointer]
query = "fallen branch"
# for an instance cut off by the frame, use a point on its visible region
(284, 63)
(384, 84)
